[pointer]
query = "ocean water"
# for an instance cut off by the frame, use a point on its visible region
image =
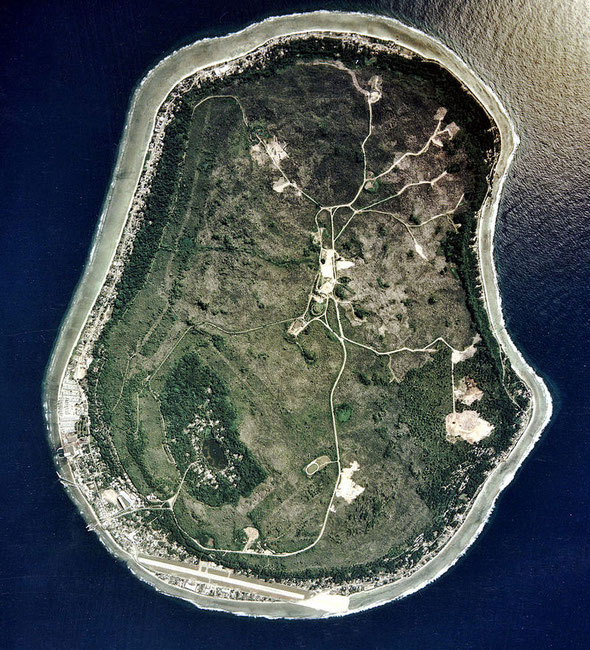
(67, 70)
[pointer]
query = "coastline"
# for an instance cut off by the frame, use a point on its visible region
(147, 98)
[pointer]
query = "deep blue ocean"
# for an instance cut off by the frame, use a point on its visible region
(67, 71)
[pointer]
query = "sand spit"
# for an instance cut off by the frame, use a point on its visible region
(133, 154)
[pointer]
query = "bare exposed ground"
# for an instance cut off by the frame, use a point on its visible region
(467, 353)
(467, 392)
(347, 489)
(468, 426)
(252, 534)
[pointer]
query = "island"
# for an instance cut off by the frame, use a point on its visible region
(284, 386)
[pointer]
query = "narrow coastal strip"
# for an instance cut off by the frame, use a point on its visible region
(139, 127)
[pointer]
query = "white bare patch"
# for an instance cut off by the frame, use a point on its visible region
(327, 602)
(80, 372)
(327, 263)
(252, 534)
(420, 250)
(297, 326)
(342, 265)
(110, 496)
(271, 151)
(258, 154)
(467, 391)
(82, 367)
(467, 426)
(347, 488)
(276, 150)
(376, 85)
(440, 114)
(280, 185)
(327, 287)
(222, 70)
(462, 355)
(452, 129)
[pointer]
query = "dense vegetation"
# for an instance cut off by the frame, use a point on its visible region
(217, 245)
(156, 210)
(194, 389)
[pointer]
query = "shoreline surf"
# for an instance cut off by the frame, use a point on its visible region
(147, 98)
